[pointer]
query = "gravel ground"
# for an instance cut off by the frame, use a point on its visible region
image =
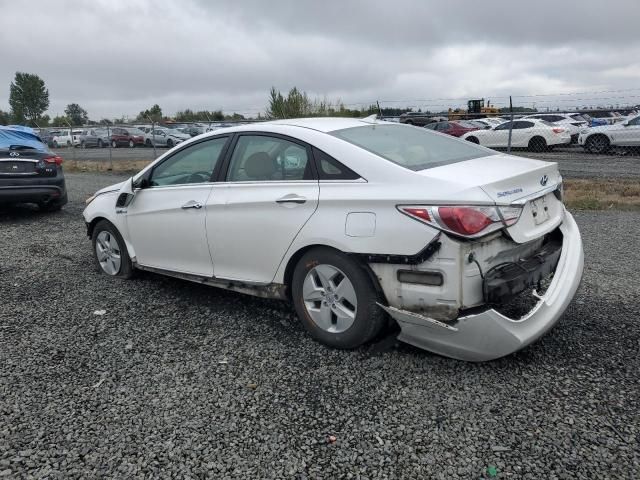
(181, 380)
(573, 161)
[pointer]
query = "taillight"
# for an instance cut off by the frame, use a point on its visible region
(464, 220)
(57, 159)
(558, 130)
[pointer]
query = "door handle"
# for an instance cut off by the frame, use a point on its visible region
(291, 198)
(192, 204)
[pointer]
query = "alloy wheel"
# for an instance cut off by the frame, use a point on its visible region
(329, 298)
(108, 252)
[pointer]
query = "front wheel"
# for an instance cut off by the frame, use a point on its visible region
(169, 143)
(99, 143)
(335, 299)
(131, 144)
(110, 251)
(114, 144)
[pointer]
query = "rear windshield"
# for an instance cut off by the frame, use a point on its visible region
(411, 147)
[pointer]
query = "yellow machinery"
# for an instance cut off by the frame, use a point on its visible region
(475, 109)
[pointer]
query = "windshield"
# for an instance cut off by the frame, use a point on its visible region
(410, 147)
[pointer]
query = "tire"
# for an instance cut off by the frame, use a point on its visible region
(322, 272)
(131, 144)
(597, 144)
(169, 143)
(409, 122)
(100, 144)
(147, 143)
(537, 144)
(68, 144)
(114, 261)
(82, 144)
(55, 144)
(114, 144)
(473, 140)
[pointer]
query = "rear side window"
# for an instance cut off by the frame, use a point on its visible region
(271, 159)
(331, 169)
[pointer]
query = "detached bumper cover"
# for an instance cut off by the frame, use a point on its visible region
(490, 335)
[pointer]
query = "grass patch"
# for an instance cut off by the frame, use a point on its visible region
(118, 166)
(597, 194)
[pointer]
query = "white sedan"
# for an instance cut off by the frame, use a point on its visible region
(470, 252)
(536, 135)
(601, 139)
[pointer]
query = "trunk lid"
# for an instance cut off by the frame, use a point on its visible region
(25, 163)
(510, 180)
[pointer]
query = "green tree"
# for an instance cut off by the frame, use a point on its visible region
(60, 121)
(154, 113)
(43, 121)
(28, 97)
(76, 114)
(5, 118)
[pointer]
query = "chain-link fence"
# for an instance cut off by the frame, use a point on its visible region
(600, 131)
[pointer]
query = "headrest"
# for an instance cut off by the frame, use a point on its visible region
(260, 166)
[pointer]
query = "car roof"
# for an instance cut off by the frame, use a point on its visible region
(322, 124)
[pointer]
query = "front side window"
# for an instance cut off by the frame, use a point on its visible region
(412, 148)
(265, 158)
(634, 121)
(194, 164)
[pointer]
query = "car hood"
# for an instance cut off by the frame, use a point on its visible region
(504, 178)
(111, 188)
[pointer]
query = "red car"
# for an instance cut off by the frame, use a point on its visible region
(455, 128)
(131, 137)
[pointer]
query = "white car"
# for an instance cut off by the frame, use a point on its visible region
(163, 137)
(489, 121)
(536, 135)
(65, 138)
(573, 122)
(470, 251)
(601, 139)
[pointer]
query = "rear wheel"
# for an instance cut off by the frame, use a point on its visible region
(131, 144)
(147, 143)
(170, 143)
(597, 144)
(537, 144)
(473, 140)
(82, 144)
(55, 144)
(114, 144)
(110, 251)
(100, 143)
(335, 299)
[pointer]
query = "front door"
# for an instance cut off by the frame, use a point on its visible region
(270, 192)
(166, 220)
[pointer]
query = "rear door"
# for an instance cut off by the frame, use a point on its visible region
(271, 191)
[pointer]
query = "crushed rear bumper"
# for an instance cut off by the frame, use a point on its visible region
(489, 335)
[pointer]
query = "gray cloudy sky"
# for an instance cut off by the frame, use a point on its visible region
(118, 57)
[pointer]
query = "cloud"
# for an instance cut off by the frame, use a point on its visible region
(120, 57)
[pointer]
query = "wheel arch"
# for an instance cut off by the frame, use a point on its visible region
(295, 258)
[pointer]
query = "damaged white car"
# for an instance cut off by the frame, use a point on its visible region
(356, 222)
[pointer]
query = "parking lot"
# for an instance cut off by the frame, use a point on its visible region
(574, 162)
(157, 376)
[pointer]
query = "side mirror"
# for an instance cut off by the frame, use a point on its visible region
(126, 194)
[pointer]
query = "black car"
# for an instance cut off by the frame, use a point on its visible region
(29, 172)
